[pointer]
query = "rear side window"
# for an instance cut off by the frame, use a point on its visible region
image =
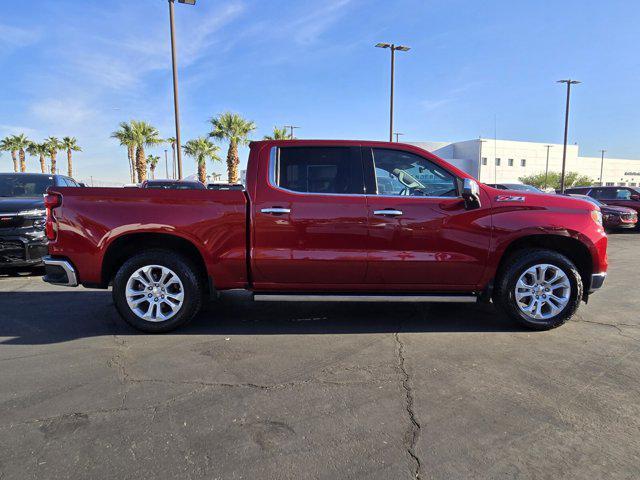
(319, 170)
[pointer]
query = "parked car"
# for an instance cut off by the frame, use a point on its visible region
(225, 186)
(172, 185)
(613, 217)
(22, 217)
(311, 226)
(516, 186)
(617, 196)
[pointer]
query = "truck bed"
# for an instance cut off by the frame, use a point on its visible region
(92, 221)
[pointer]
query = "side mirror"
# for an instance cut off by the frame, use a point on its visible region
(635, 197)
(471, 194)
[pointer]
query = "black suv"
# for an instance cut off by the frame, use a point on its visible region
(22, 217)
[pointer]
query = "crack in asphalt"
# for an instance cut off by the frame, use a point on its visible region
(413, 432)
(612, 325)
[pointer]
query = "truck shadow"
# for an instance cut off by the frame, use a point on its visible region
(52, 317)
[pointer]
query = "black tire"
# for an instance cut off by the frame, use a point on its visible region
(185, 271)
(519, 262)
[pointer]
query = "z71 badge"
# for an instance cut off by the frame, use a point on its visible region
(510, 198)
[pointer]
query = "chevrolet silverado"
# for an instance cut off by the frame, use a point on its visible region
(329, 221)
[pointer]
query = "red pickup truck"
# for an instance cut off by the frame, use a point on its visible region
(329, 221)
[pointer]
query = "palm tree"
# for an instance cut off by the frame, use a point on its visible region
(172, 141)
(21, 142)
(152, 161)
(70, 144)
(8, 145)
(232, 127)
(202, 149)
(125, 136)
(40, 150)
(53, 145)
(278, 134)
(145, 135)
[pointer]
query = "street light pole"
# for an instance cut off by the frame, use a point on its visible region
(601, 167)
(166, 163)
(546, 171)
(393, 48)
(174, 63)
(397, 134)
(569, 82)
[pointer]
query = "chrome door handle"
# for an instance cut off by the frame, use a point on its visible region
(276, 210)
(393, 213)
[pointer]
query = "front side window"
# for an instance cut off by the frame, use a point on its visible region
(319, 170)
(406, 174)
(614, 194)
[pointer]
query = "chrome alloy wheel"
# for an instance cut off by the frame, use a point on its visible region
(542, 291)
(154, 293)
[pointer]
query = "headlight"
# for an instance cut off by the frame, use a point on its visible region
(596, 215)
(33, 213)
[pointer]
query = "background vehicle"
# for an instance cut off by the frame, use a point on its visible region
(225, 186)
(516, 186)
(312, 225)
(618, 196)
(22, 217)
(172, 185)
(612, 216)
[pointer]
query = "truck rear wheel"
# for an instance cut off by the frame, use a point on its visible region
(540, 289)
(157, 291)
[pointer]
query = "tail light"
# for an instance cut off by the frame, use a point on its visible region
(51, 201)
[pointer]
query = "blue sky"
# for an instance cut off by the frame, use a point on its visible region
(79, 67)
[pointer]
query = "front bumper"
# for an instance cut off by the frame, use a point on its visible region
(59, 271)
(597, 279)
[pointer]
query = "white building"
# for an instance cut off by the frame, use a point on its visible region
(505, 161)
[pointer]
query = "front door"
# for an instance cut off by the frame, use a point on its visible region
(309, 219)
(419, 230)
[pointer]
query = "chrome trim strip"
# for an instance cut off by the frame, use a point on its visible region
(276, 297)
(393, 213)
(72, 279)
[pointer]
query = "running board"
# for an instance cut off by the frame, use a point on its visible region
(304, 297)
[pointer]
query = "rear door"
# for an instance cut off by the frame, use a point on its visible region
(309, 218)
(420, 234)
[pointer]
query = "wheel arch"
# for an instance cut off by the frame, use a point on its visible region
(570, 247)
(125, 246)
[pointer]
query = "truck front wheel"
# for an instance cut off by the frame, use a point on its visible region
(157, 291)
(540, 289)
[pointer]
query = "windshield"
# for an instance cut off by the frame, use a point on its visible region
(24, 185)
(588, 199)
(523, 188)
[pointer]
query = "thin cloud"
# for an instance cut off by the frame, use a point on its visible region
(448, 98)
(14, 37)
(62, 113)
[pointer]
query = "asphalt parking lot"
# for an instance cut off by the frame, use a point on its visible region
(319, 390)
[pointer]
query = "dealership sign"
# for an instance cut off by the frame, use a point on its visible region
(634, 174)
